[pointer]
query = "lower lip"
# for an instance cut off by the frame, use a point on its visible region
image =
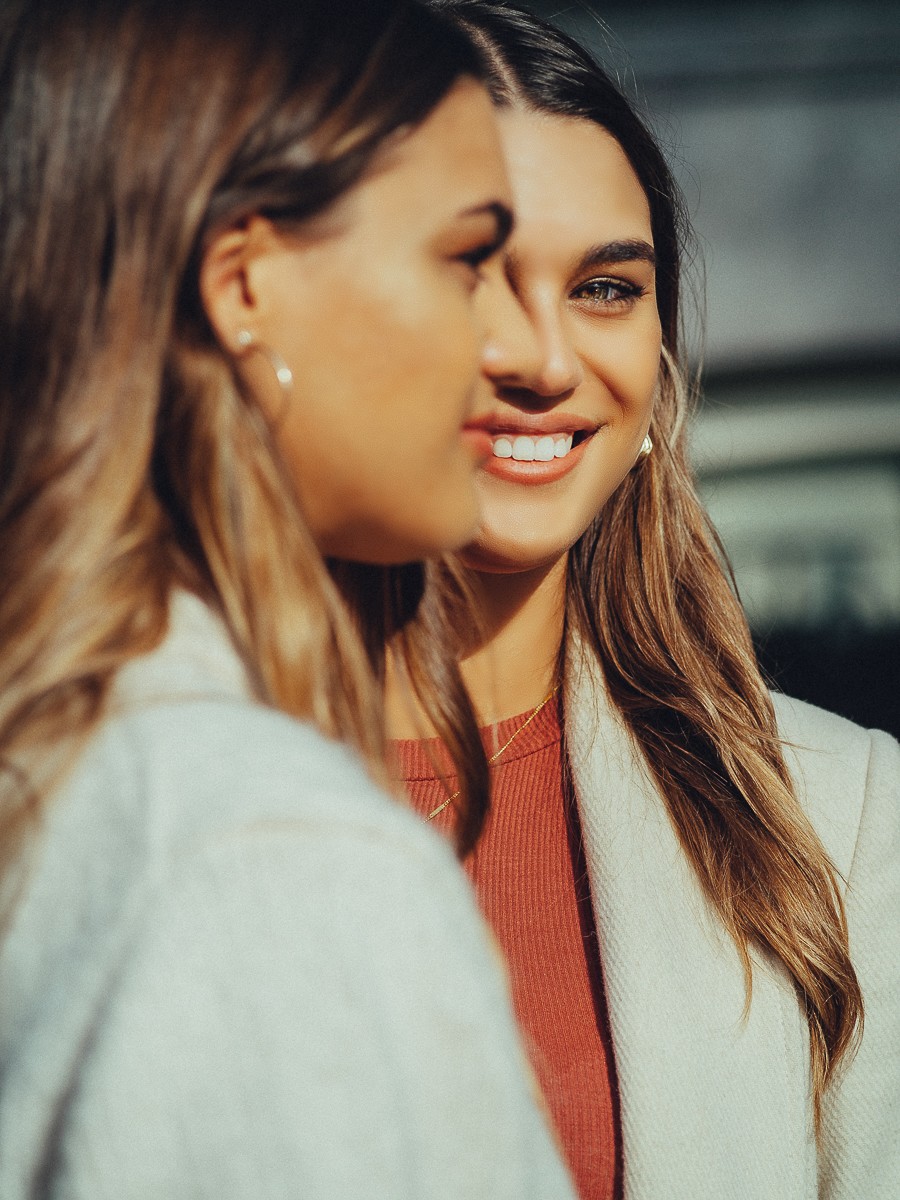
(535, 473)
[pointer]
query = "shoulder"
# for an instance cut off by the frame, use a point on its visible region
(186, 750)
(224, 820)
(816, 729)
(843, 773)
(825, 752)
(185, 756)
(171, 783)
(224, 906)
(159, 785)
(217, 799)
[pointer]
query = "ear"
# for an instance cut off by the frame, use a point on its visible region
(228, 276)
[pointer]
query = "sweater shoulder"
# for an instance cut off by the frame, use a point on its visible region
(152, 791)
(154, 794)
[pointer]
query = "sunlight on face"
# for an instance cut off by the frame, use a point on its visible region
(374, 315)
(574, 344)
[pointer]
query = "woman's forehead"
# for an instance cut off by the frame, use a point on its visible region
(571, 180)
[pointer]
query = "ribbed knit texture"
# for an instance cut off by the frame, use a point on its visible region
(530, 877)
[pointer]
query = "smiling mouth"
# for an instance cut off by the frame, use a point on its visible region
(544, 448)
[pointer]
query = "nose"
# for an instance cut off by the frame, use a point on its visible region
(526, 348)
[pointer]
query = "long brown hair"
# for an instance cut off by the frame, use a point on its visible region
(406, 615)
(131, 458)
(648, 593)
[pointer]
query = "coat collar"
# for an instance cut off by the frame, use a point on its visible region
(714, 1104)
(196, 658)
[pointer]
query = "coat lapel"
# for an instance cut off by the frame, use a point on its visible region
(714, 1105)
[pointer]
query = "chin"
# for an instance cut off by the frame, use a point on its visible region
(497, 556)
(392, 548)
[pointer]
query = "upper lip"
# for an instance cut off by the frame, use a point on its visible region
(534, 424)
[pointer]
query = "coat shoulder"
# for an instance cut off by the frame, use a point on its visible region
(815, 728)
(836, 765)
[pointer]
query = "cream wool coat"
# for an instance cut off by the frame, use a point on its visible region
(713, 1107)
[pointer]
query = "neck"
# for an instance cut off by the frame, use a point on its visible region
(512, 667)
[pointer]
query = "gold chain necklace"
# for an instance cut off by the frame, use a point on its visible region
(506, 745)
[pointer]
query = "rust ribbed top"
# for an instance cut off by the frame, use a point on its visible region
(530, 877)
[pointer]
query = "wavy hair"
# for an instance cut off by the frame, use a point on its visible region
(648, 594)
(132, 459)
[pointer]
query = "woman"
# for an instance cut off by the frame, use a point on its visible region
(232, 240)
(696, 884)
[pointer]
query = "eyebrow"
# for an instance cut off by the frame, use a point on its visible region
(610, 253)
(503, 219)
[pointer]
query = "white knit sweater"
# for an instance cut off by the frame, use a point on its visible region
(239, 971)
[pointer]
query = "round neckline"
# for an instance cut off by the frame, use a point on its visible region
(419, 755)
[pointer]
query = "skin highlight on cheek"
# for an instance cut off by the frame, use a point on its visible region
(376, 320)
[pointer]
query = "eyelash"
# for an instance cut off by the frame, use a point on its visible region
(475, 257)
(628, 292)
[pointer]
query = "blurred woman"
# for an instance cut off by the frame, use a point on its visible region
(663, 832)
(234, 240)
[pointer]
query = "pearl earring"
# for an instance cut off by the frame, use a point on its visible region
(283, 373)
(646, 447)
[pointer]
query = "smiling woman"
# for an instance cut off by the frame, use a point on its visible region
(581, 373)
(233, 240)
(663, 832)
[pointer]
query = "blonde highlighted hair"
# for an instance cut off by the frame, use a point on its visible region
(131, 459)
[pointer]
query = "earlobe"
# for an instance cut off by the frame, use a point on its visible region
(226, 279)
(235, 295)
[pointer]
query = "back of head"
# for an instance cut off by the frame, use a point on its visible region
(131, 457)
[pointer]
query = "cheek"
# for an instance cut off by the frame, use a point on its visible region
(373, 432)
(628, 366)
(385, 356)
(404, 357)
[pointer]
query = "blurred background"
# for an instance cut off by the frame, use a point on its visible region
(782, 123)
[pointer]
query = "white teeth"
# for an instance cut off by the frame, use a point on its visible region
(533, 449)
